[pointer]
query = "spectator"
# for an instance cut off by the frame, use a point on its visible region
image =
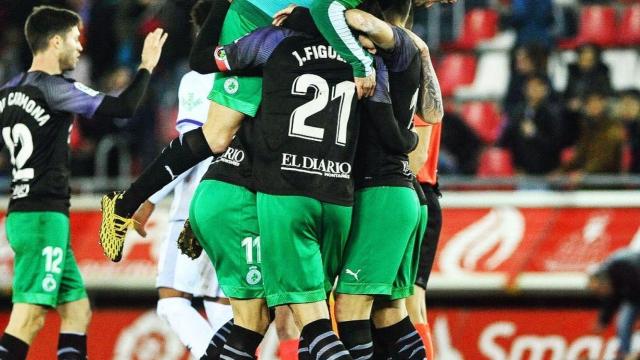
(527, 60)
(532, 20)
(617, 282)
(460, 146)
(600, 141)
(588, 73)
(629, 113)
(533, 134)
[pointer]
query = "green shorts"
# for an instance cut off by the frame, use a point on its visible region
(382, 241)
(223, 217)
(303, 241)
(240, 93)
(45, 270)
(403, 285)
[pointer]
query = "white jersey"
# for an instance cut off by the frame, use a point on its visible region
(193, 107)
(176, 270)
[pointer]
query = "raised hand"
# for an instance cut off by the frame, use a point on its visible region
(152, 49)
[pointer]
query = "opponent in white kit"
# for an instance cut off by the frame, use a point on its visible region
(180, 278)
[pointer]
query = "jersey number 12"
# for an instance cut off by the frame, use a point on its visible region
(19, 135)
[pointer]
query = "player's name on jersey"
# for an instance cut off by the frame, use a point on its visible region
(317, 52)
(17, 98)
(315, 166)
(232, 156)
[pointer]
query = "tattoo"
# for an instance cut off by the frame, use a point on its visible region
(431, 97)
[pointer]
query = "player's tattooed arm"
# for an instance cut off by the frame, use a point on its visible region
(201, 58)
(431, 105)
(377, 30)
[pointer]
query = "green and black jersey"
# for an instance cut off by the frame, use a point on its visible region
(36, 114)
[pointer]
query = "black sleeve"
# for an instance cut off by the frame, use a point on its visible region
(126, 104)
(301, 20)
(201, 58)
(396, 139)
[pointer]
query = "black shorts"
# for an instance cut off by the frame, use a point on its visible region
(431, 236)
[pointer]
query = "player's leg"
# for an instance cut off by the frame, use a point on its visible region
(288, 334)
(219, 312)
(428, 250)
(40, 241)
(399, 338)
(416, 305)
(75, 318)
(291, 232)
(232, 97)
(178, 278)
(25, 322)
(625, 326)
(74, 310)
(390, 317)
(216, 304)
(223, 217)
(372, 257)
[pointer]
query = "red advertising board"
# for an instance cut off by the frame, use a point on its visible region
(510, 242)
(114, 335)
(507, 243)
(521, 334)
(458, 334)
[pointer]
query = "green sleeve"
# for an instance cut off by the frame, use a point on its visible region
(329, 18)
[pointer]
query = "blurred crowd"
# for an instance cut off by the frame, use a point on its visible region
(588, 128)
(112, 36)
(585, 128)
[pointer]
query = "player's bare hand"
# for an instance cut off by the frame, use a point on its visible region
(365, 86)
(282, 15)
(188, 243)
(141, 216)
(152, 49)
(367, 44)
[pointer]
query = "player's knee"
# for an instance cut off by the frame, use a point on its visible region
(76, 314)
(32, 323)
(86, 315)
(353, 307)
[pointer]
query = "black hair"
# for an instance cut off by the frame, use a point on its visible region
(199, 12)
(45, 22)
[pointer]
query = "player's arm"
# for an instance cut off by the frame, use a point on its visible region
(125, 105)
(431, 106)
(201, 58)
(396, 138)
(329, 16)
(377, 30)
(75, 97)
(419, 156)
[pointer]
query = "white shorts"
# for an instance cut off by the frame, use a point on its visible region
(176, 270)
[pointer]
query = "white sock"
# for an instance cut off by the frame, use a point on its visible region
(192, 329)
(217, 314)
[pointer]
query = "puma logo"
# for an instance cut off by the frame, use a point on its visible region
(170, 172)
(354, 274)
